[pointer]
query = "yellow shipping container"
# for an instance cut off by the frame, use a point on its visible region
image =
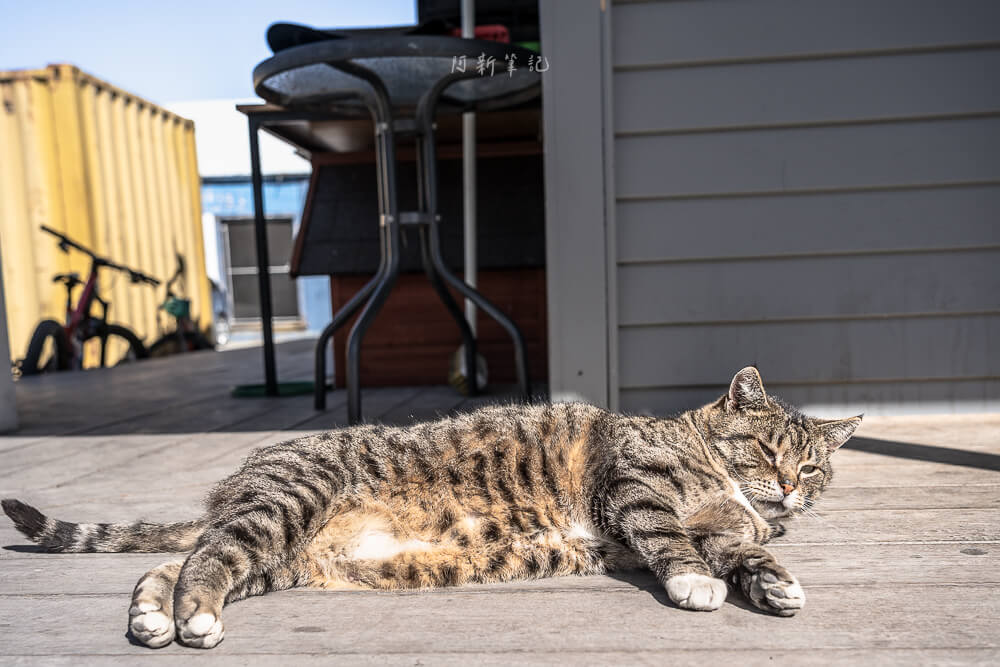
(113, 172)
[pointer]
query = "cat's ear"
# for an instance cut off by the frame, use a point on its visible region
(747, 391)
(836, 432)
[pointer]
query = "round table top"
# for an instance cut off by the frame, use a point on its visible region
(486, 75)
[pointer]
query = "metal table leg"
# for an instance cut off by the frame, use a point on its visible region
(468, 338)
(377, 290)
(427, 166)
(263, 263)
(427, 202)
(343, 315)
(385, 161)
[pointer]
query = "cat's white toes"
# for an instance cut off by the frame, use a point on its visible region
(201, 631)
(783, 596)
(697, 591)
(150, 625)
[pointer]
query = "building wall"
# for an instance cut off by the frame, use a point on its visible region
(808, 186)
(111, 171)
(811, 187)
(578, 201)
(283, 197)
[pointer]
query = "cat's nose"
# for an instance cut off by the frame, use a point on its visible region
(787, 487)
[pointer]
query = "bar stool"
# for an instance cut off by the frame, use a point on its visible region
(402, 81)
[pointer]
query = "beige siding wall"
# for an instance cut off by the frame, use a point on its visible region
(812, 187)
(113, 172)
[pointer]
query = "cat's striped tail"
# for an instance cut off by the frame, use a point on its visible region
(65, 537)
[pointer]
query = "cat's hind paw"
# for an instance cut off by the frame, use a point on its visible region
(203, 630)
(697, 591)
(150, 625)
(775, 591)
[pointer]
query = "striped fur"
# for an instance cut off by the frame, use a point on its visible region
(503, 493)
(61, 536)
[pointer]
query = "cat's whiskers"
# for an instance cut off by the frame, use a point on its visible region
(751, 495)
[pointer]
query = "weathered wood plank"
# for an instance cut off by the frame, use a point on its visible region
(943, 657)
(619, 622)
(842, 498)
(886, 526)
(970, 432)
(79, 457)
(64, 403)
(30, 573)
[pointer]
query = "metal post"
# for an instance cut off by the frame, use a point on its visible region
(469, 180)
(263, 263)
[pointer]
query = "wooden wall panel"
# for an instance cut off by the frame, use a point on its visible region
(412, 340)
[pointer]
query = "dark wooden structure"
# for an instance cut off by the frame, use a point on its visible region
(413, 338)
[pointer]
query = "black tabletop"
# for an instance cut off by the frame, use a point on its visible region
(486, 75)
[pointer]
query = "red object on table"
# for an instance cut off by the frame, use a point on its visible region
(493, 33)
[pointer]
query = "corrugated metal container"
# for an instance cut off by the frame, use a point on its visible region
(113, 172)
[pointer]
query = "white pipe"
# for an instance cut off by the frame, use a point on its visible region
(8, 401)
(469, 175)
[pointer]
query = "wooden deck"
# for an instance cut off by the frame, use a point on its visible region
(902, 568)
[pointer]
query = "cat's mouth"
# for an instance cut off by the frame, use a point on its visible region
(773, 510)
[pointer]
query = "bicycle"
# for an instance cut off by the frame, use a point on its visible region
(185, 337)
(66, 341)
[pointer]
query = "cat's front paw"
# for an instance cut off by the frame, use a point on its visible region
(697, 591)
(773, 589)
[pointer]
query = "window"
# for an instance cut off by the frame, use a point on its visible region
(241, 268)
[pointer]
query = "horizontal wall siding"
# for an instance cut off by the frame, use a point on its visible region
(689, 32)
(814, 188)
(839, 90)
(837, 399)
(808, 224)
(903, 154)
(814, 352)
(750, 290)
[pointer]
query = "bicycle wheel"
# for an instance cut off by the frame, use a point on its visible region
(48, 350)
(170, 344)
(119, 343)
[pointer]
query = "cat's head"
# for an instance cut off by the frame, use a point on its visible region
(778, 456)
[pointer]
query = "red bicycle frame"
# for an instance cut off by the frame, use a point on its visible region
(78, 316)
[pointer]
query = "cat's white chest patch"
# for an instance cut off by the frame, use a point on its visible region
(742, 499)
(578, 531)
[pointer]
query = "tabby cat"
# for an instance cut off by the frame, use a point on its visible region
(503, 493)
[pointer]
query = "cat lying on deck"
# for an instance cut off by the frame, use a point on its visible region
(499, 494)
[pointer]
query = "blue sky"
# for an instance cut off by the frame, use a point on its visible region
(170, 51)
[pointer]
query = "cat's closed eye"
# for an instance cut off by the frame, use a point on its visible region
(768, 454)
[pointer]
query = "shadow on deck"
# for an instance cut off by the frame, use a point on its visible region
(191, 393)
